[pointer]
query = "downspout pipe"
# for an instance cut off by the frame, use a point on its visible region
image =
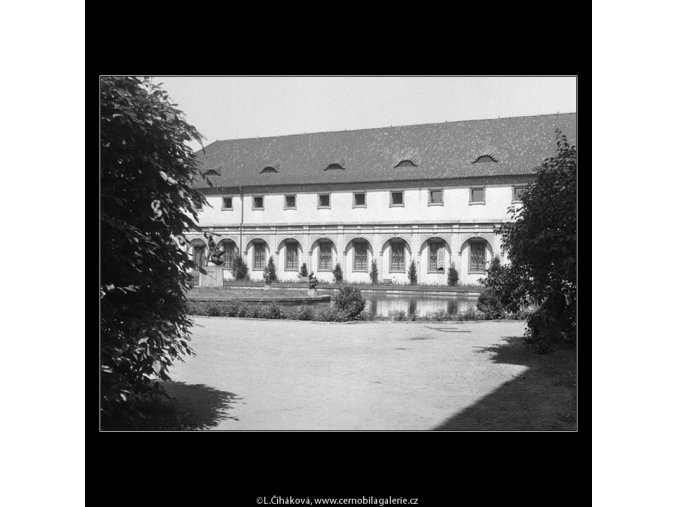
(241, 218)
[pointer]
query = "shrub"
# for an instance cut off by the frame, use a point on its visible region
(488, 302)
(365, 315)
(373, 273)
(270, 312)
(214, 310)
(304, 313)
(552, 324)
(338, 273)
(231, 308)
(331, 314)
(350, 301)
(413, 276)
(452, 276)
(304, 270)
(400, 316)
(270, 269)
(470, 314)
(440, 315)
(240, 269)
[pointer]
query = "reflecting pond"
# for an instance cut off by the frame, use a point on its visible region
(383, 305)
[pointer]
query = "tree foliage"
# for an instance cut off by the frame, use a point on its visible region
(240, 269)
(146, 204)
(338, 273)
(373, 273)
(269, 273)
(452, 276)
(413, 276)
(541, 246)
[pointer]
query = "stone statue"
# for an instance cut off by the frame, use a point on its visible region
(214, 253)
(312, 281)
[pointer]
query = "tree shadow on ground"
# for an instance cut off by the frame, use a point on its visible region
(543, 398)
(190, 407)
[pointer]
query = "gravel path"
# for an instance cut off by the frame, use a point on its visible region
(290, 375)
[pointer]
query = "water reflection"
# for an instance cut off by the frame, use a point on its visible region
(389, 305)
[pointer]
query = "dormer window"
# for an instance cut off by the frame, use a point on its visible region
(406, 163)
(268, 169)
(334, 166)
(484, 158)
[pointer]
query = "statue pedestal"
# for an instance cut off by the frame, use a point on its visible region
(213, 278)
(267, 287)
(312, 292)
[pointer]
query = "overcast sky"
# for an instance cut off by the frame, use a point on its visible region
(241, 107)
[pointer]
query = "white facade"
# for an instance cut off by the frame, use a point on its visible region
(395, 234)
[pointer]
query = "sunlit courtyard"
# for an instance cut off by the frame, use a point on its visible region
(292, 375)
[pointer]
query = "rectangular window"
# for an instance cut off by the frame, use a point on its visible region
(292, 263)
(397, 198)
(227, 203)
(360, 200)
(323, 200)
(198, 206)
(360, 261)
(477, 195)
(325, 256)
(257, 202)
(259, 256)
(290, 202)
(397, 257)
(517, 193)
(476, 264)
(435, 256)
(435, 197)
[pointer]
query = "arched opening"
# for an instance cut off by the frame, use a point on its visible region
(397, 251)
(436, 254)
(478, 252)
(324, 251)
(257, 252)
(482, 159)
(229, 249)
(290, 250)
(358, 252)
(406, 163)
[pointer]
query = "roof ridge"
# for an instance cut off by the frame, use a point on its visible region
(389, 127)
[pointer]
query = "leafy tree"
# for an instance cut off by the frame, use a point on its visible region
(541, 246)
(146, 204)
(240, 269)
(338, 273)
(452, 276)
(373, 274)
(413, 276)
(271, 269)
(304, 270)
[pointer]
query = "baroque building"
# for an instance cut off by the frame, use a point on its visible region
(433, 194)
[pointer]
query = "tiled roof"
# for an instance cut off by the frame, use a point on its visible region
(440, 150)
